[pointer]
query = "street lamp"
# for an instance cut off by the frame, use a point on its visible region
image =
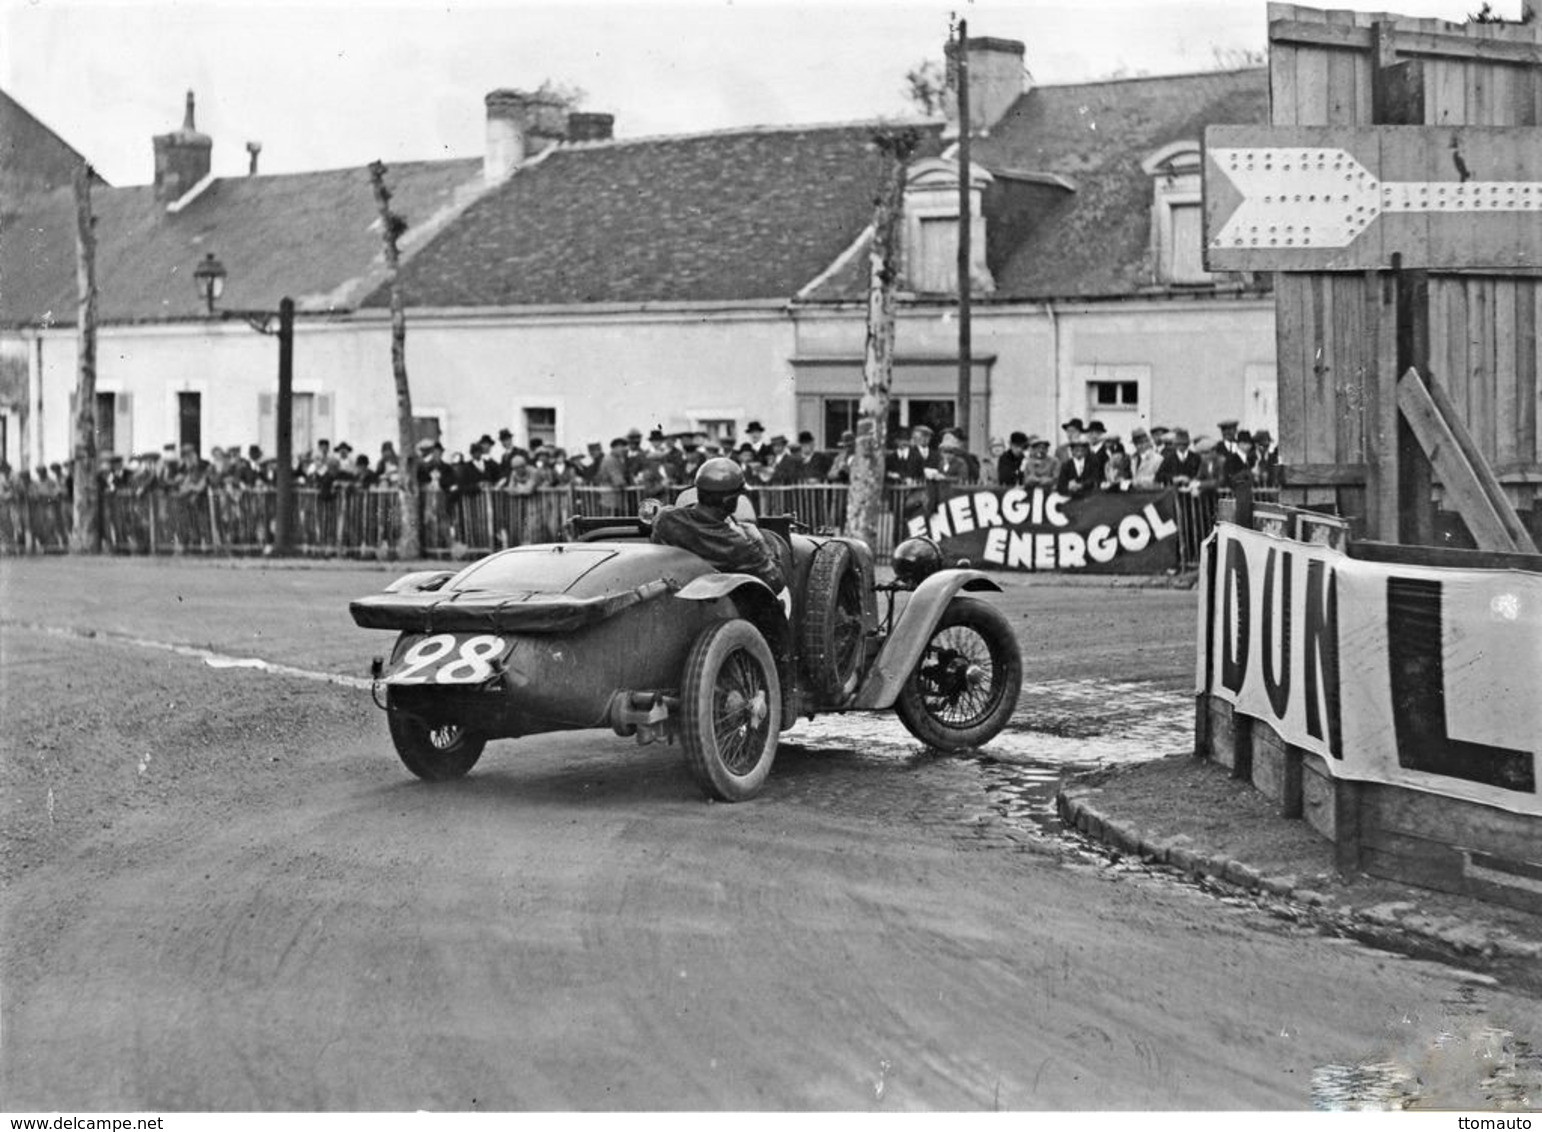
(209, 277)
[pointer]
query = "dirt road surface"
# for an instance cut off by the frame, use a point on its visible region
(222, 892)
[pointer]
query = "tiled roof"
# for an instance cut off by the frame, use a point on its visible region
(1098, 241)
(733, 215)
(1094, 242)
(311, 236)
(33, 158)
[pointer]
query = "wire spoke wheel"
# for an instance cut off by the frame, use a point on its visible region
(956, 677)
(965, 686)
(730, 710)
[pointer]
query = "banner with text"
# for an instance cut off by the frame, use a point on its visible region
(1421, 677)
(1118, 532)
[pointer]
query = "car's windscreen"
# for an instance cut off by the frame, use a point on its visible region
(550, 569)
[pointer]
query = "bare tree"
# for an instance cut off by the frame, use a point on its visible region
(865, 499)
(409, 545)
(926, 87)
(86, 536)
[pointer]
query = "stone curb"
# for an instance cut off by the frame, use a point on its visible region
(1460, 936)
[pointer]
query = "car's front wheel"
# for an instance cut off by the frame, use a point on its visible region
(730, 710)
(434, 753)
(965, 686)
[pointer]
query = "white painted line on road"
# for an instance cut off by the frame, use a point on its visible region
(208, 656)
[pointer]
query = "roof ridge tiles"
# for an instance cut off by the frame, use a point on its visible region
(735, 131)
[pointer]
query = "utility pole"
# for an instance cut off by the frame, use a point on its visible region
(86, 535)
(965, 345)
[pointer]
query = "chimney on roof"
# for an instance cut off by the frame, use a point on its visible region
(181, 158)
(997, 79)
(520, 124)
(585, 126)
(253, 148)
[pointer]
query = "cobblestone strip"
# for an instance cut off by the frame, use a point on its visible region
(1398, 918)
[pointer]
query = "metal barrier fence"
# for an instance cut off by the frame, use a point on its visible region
(367, 524)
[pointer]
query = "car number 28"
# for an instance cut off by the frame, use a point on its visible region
(445, 658)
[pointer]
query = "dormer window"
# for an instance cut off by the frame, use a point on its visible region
(931, 229)
(1177, 220)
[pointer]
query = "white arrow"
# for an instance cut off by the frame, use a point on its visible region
(1324, 198)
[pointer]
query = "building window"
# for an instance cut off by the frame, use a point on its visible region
(540, 424)
(1177, 215)
(1113, 394)
(842, 413)
(719, 430)
(1188, 235)
(190, 421)
(936, 268)
(310, 420)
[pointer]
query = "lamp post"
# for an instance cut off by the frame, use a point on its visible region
(209, 276)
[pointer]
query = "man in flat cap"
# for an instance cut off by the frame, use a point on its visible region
(1181, 464)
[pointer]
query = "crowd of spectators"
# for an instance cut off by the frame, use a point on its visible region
(1088, 459)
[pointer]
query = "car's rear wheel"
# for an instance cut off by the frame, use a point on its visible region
(730, 710)
(965, 686)
(435, 753)
(832, 633)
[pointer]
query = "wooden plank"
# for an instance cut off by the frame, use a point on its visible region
(1409, 44)
(1479, 420)
(1464, 483)
(1507, 419)
(1456, 377)
(1532, 363)
(1397, 554)
(1445, 93)
(1382, 451)
(1322, 404)
(1341, 94)
(1323, 475)
(1350, 367)
(1291, 295)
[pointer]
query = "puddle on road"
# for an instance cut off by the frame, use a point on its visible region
(1466, 1064)
(1060, 728)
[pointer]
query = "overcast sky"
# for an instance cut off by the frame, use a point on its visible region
(325, 85)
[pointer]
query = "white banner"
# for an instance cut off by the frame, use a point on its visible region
(1421, 677)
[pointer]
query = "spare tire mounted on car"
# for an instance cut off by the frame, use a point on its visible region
(832, 634)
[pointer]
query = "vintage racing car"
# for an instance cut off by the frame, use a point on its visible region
(610, 630)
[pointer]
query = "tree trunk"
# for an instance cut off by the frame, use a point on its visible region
(866, 497)
(86, 535)
(409, 546)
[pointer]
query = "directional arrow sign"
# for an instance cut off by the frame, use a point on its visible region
(1345, 198)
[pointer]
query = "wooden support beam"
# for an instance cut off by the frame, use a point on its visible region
(1407, 44)
(1323, 475)
(1464, 473)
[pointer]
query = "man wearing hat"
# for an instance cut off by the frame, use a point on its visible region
(1228, 442)
(1040, 469)
(1145, 461)
(1181, 464)
(839, 470)
(1266, 459)
(754, 434)
(1078, 475)
(614, 473)
(1009, 465)
(1097, 445)
(1072, 429)
(921, 457)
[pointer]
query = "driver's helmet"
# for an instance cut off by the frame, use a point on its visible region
(719, 476)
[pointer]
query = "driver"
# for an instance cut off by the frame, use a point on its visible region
(708, 528)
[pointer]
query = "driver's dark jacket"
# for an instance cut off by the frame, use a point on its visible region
(726, 543)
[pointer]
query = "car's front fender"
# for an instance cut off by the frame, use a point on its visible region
(916, 623)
